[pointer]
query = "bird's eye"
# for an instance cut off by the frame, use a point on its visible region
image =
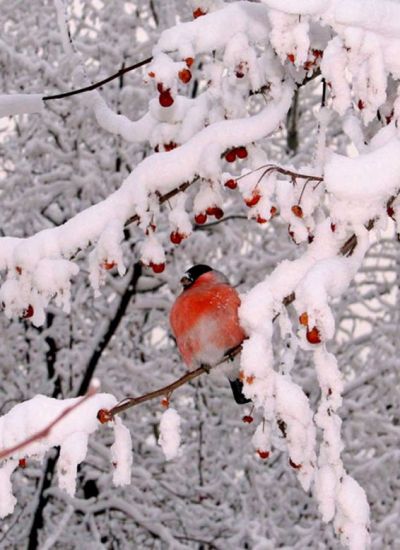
(186, 281)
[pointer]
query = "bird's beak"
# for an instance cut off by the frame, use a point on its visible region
(186, 281)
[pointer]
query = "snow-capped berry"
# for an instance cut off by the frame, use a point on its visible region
(198, 12)
(151, 74)
(253, 200)
(108, 265)
(28, 312)
(215, 211)
(313, 336)
(263, 454)
(241, 152)
(230, 156)
(291, 57)
(250, 379)
(317, 53)
(166, 99)
(157, 268)
(273, 211)
(390, 212)
(361, 104)
(18, 269)
(22, 463)
(297, 210)
(303, 319)
(247, 419)
(200, 218)
(231, 184)
(165, 402)
(169, 146)
(260, 219)
(104, 416)
(333, 227)
(189, 61)
(176, 237)
(185, 76)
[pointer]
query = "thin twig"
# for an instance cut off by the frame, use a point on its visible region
(44, 432)
(118, 74)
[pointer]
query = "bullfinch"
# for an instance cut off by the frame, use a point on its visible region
(204, 320)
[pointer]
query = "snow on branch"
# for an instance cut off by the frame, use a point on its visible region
(33, 427)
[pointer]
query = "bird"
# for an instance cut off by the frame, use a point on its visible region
(205, 323)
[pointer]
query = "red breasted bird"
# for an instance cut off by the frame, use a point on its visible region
(204, 320)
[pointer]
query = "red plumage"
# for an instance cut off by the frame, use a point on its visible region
(204, 319)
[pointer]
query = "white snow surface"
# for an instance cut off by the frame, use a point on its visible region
(71, 434)
(20, 104)
(170, 433)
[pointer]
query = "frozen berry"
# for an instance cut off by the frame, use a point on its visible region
(313, 336)
(198, 12)
(253, 200)
(231, 184)
(247, 419)
(250, 379)
(151, 74)
(273, 211)
(230, 156)
(166, 99)
(303, 319)
(215, 211)
(22, 463)
(263, 454)
(185, 76)
(189, 61)
(260, 219)
(104, 416)
(157, 268)
(333, 227)
(169, 146)
(28, 312)
(241, 152)
(165, 402)
(297, 211)
(176, 237)
(108, 265)
(18, 270)
(291, 57)
(294, 465)
(200, 218)
(361, 104)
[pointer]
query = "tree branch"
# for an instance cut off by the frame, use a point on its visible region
(118, 74)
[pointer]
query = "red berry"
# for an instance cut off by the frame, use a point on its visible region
(176, 237)
(198, 13)
(250, 379)
(308, 65)
(230, 156)
(253, 200)
(273, 211)
(263, 454)
(333, 227)
(160, 87)
(28, 312)
(189, 61)
(104, 416)
(317, 53)
(291, 57)
(239, 74)
(303, 319)
(165, 402)
(361, 104)
(231, 184)
(166, 99)
(200, 218)
(108, 265)
(215, 211)
(22, 463)
(18, 269)
(297, 211)
(260, 219)
(310, 238)
(247, 419)
(390, 212)
(185, 76)
(313, 336)
(241, 152)
(294, 465)
(157, 268)
(151, 74)
(169, 146)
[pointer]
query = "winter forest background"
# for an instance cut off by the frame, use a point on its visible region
(327, 70)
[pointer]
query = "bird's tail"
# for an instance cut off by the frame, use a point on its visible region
(237, 390)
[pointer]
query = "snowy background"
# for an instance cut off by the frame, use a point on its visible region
(261, 139)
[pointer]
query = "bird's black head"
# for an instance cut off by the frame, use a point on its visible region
(192, 274)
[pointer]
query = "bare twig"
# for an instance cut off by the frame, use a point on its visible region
(100, 83)
(44, 432)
